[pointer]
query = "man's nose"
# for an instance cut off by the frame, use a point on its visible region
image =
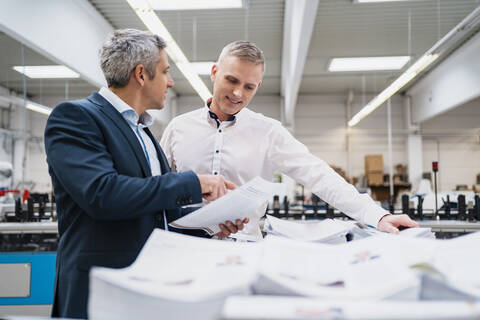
(237, 92)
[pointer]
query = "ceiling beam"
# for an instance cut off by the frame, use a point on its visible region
(68, 32)
(452, 83)
(298, 26)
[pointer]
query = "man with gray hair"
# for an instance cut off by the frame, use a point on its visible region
(227, 139)
(111, 179)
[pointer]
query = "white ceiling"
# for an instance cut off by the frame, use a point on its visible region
(11, 55)
(342, 29)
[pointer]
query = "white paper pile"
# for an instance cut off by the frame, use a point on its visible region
(372, 268)
(379, 277)
(418, 233)
(325, 231)
(174, 277)
(331, 231)
(290, 308)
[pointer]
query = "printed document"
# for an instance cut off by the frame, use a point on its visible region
(236, 204)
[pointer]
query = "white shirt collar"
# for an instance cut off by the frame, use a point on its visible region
(212, 121)
(125, 110)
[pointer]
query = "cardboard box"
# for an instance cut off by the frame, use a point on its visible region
(375, 178)
(373, 163)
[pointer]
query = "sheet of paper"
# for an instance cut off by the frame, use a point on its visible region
(290, 308)
(236, 204)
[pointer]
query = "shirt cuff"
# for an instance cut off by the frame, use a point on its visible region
(374, 214)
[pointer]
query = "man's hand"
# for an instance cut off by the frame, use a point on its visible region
(228, 228)
(390, 223)
(213, 187)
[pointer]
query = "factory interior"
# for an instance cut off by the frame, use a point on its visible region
(370, 108)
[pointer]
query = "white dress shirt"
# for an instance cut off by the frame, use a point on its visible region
(137, 124)
(254, 145)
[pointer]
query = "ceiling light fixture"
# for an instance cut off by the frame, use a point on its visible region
(38, 108)
(398, 84)
(195, 5)
(47, 72)
(444, 47)
(372, 1)
(150, 19)
(367, 64)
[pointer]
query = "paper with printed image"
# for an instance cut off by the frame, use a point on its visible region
(236, 204)
(361, 269)
(181, 277)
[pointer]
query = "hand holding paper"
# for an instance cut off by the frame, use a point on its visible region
(229, 228)
(237, 204)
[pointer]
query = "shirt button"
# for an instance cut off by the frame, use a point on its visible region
(215, 173)
(217, 151)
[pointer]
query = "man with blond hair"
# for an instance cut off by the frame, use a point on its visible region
(225, 138)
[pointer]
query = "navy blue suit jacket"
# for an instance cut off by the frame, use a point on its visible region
(108, 203)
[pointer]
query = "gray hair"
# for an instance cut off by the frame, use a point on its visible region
(124, 50)
(244, 50)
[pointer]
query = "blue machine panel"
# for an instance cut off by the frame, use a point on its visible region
(42, 276)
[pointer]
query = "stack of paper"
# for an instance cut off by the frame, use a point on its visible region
(382, 276)
(174, 277)
(359, 230)
(418, 233)
(325, 231)
(458, 262)
(372, 268)
(296, 308)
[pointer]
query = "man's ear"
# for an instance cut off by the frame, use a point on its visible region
(213, 72)
(138, 74)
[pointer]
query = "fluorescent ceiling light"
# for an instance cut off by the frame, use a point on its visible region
(444, 46)
(203, 68)
(150, 19)
(371, 1)
(393, 88)
(38, 108)
(46, 72)
(367, 63)
(194, 4)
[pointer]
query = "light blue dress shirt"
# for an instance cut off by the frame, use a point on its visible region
(137, 124)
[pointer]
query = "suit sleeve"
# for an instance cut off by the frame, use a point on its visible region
(80, 161)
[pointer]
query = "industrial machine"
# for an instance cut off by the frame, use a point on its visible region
(452, 219)
(28, 244)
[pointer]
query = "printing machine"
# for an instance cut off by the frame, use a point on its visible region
(451, 220)
(28, 244)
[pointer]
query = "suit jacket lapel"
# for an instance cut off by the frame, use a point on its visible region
(122, 124)
(161, 156)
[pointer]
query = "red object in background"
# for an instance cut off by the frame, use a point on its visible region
(435, 166)
(26, 194)
(4, 192)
